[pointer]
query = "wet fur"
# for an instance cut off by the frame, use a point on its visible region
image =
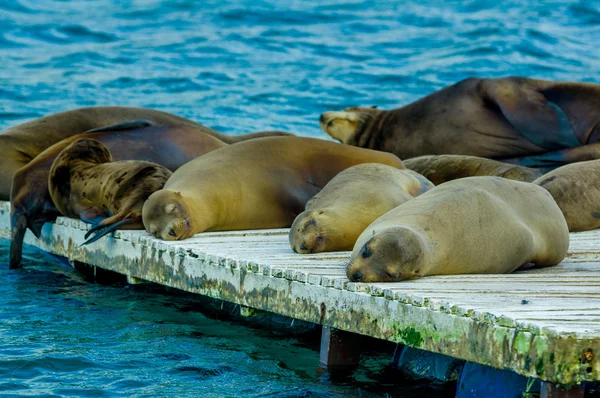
(83, 176)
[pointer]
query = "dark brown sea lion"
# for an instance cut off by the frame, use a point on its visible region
(21, 143)
(442, 168)
(262, 183)
(474, 225)
(511, 117)
(31, 204)
(353, 199)
(85, 183)
(576, 190)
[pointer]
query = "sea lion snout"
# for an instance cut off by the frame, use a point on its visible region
(305, 234)
(164, 215)
(392, 255)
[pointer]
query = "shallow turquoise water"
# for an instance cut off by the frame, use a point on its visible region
(236, 67)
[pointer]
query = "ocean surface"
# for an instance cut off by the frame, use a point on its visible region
(237, 67)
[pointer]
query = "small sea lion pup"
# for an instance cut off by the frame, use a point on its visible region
(261, 183)
(442, 168)
(510, 117)
(169, 146)
(576, 190)
(475, 225)
(352, 200)
(85, 183)
(21, 143)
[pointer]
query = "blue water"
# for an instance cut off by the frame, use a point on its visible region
(236, 66)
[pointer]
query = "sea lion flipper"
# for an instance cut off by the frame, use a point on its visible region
(126, 125)
(533, 115)
(93, 215)
(101, 230)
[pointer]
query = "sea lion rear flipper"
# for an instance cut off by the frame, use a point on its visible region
(533, 115)
(126, 125)
(550, 160)
(101, 230)
(93, 215)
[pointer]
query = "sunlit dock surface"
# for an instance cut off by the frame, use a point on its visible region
(542, 323)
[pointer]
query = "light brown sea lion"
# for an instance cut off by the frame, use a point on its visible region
(576, 190)
(474, 225)
(85, 183)
(262, 183)
(511, 117)
(442, 168)
(21, 143)
(352, 200)
(169, 146)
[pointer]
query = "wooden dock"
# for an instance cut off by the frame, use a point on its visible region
(542, 323)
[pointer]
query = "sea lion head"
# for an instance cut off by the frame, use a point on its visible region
(346, 125)
(392, 255)
(86, 149)
(310, 233)
(166, 216)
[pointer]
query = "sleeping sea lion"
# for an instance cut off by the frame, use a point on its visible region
(511, 117)
(576, 190)
(85, 183)
(352, 200)
(21, 143)
(171, 147)
(262, 183)
(474, 225)
(442, 168)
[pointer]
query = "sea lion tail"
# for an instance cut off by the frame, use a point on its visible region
(18, 228)
(100, 230)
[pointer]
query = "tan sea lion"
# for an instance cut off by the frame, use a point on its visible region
(21, 143)
(352, 200)
(510, 117)
(442, 168)
(169, 146)
(474, 225)
(262, 183)
(85, 183)
(576, 190)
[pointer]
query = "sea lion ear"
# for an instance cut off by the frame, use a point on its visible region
(178, 193)
(169, 208)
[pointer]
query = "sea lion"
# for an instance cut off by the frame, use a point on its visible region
(262, 183)
(510, 117)
(474, 225)
(21, 143)
(353, 199)
(576, 190)
(169, 146)
(85, 183)
(442, 168)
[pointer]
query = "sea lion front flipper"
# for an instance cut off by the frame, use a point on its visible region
(101, 230)
(93, 215)
(126, 125)
(533, 115)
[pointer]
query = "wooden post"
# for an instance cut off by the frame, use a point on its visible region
(550, 390)
(397, 353)
(340, 352)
